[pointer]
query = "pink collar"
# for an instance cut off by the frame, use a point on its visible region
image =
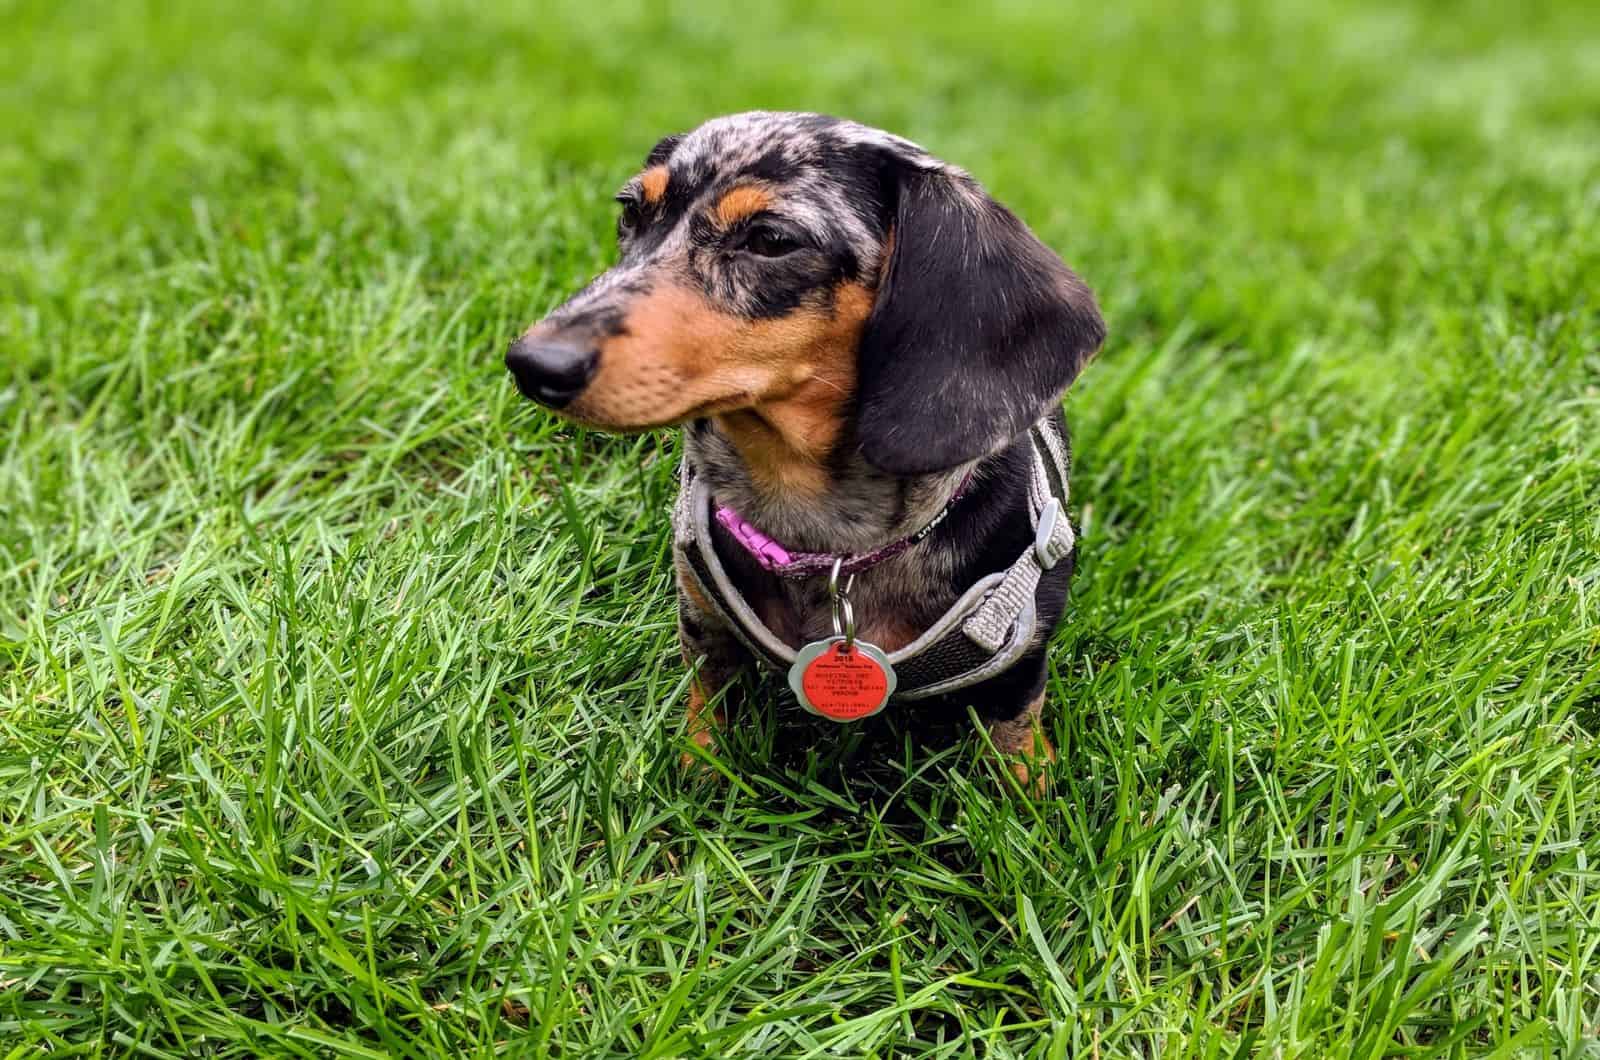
(790, 564)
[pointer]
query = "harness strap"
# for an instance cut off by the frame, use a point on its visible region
(1053, 539)
(981, 635)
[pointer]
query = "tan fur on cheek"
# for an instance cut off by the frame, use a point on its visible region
(779, 387)
(785, 440)
(663, 366)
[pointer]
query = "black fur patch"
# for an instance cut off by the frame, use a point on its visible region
(663, 150)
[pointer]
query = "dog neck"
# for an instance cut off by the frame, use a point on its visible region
(830, 500)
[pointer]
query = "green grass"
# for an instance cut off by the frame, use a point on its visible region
(339, 703)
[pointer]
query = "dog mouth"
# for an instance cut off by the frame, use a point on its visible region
(634, 419)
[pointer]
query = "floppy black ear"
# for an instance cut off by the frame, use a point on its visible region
(977, 330)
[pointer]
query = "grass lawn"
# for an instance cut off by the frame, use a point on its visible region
(340, 708)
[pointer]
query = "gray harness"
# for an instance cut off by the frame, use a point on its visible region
(983, 633)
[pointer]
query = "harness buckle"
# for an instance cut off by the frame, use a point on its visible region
(1045, 548)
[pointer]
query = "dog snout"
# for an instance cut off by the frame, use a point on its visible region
(550, 371)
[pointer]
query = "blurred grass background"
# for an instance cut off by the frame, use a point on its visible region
(339, 701)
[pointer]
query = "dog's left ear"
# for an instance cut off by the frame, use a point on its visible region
(977, 330)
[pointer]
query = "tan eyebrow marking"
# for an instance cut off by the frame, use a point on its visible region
(742, 202)
(653, 182)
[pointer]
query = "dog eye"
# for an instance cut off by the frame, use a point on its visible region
(769, 243)
(629, 219)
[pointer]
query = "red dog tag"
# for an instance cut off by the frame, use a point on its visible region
(840, 682)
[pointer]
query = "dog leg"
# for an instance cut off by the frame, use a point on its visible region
(703, 721)
(713, 653)
(1022, 741)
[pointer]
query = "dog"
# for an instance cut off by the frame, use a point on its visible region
(867, 355)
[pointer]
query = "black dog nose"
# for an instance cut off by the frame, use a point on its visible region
(551, 373)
